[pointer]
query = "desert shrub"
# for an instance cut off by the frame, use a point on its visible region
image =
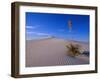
(73, 50)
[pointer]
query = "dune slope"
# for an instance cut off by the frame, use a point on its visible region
(52, 52)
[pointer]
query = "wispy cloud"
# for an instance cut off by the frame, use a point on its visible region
(38, 33)
(32, 27)
(42, 34)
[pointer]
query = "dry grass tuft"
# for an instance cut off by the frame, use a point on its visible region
(73, 50)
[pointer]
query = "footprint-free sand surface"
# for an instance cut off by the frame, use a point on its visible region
(53, 52)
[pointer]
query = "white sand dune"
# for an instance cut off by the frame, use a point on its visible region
(52, 52)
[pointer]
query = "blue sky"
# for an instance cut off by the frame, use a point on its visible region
(43, 25)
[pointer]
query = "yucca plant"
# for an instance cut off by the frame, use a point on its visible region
(73, 50)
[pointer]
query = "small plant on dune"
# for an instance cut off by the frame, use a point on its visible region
(73, 50)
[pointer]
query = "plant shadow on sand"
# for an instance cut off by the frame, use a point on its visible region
(86, 53)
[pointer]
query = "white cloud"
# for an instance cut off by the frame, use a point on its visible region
(42, 34)
(38, 33)
(32, 27)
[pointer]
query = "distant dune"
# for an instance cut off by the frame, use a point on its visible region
(52, 52)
